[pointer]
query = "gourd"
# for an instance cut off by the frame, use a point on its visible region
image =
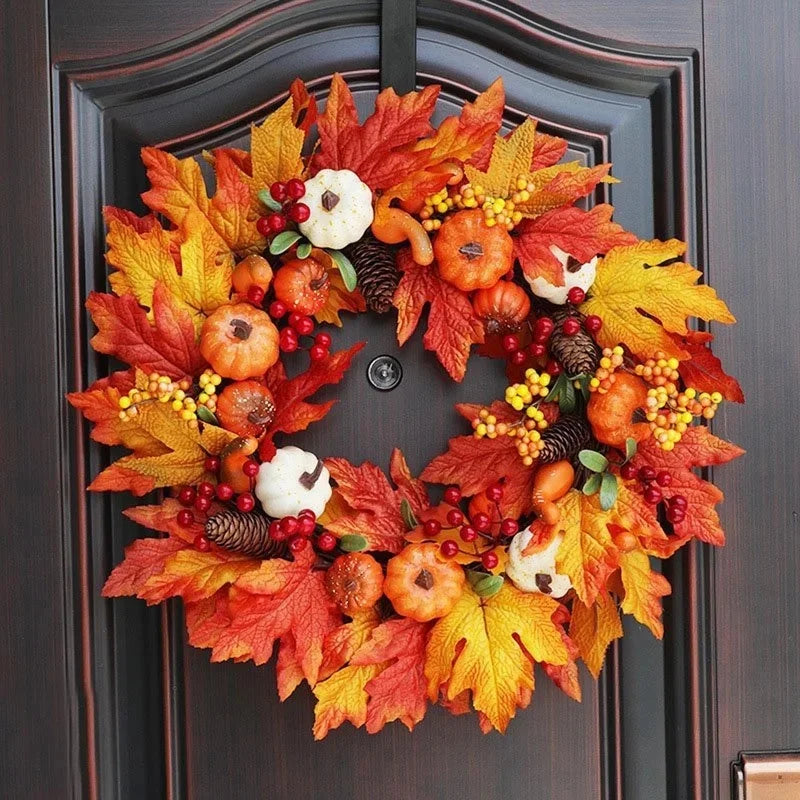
(232, 459)
(420, 585)
(341, 208)
(611, 413)
(551, 482)
(239, 341)
(246, 408)
(502, 307)
(252, 271)
(394, 225)
(302, 285)
(470, 254)
(293, 480)
(531, 565)
(575, 274)
(355, 582)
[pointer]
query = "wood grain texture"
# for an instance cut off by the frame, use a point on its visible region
(38, 737)
(752, 60)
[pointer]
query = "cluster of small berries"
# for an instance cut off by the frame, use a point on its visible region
(287, 194)
(300, 325)
(497, 210)
(164, 390)
(469, 529)
(604, 377)
(653, 482)
(297, 530)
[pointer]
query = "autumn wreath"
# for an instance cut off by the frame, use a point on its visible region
(382, 598)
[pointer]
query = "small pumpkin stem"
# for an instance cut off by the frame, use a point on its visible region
(424, 580)
(319, 283)
(543, 581)
(471, 250)
(241, 329)
(573, 265)
(329, 200)
(309, 479)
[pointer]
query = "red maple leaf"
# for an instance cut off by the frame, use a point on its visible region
(703, 371)
(167, 345)
(264, 605)
(292, 412)
(475, 464)
(453, 326)
(399, 691)
(582, 234)
(376, 151)
(547, 150)
(365, 502)
(698, 448)
(305, 106)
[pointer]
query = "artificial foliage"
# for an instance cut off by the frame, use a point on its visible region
(515, 553)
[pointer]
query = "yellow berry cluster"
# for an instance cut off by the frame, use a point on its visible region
(496, 210)
(159, 387)
(486, 424)
(604, 377)
(670, 411)
(529, 435)
(519, 395)
(208, 383)
(439, 203)
(660, 371)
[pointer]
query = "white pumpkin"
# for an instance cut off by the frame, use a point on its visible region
(536, 572)
(341, 208)
(583, 276)
(295, 479)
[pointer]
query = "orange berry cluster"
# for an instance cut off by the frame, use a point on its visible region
(527, 431)
(660, 371)
(159, 387)
(604, 377)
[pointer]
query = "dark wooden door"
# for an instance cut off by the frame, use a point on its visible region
(696, 105)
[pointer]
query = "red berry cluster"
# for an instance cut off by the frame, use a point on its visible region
(470, 529)
(295, 531)
(300, 325)
(540, 334)
(287, 194)
(653, 481)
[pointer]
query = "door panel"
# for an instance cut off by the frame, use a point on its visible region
(123, 709)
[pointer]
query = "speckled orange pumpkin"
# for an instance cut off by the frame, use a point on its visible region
(470, 254)
(239, 341)
(303, 285)
(502, 307)
(420, 585)
(246, 408)
(355, 582)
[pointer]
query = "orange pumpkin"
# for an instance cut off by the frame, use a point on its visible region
(252, 271)
(232, 459)
(420, 585)
(470, 254)
(239, 341)
(502, 307)
(611, 414)
(246, 408)
(355, 582)
(302, 285)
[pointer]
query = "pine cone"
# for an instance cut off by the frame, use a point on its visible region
(564, 438)
(376, 270)
(243, 533)
(578, 354)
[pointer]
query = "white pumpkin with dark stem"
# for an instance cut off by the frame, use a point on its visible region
(295, 479)
(536, 572)
(341, 208)
(581, 275)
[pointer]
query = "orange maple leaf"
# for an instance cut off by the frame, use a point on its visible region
(174, 454)
(365, 503)
(703, 371)
(292, 412)
(453, 326)
(643, 590)
(167, 345)
(698, 448)
(565, 676)
(178, 188)
(593, 628)
(280, 597)
(488, 646)
(581, 234)
(377, 151)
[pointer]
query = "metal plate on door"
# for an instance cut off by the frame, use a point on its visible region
(766, 776)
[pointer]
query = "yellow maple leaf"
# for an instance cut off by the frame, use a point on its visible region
(479, 645)
(151, 467)
(275, 148)
(144, 259)
(343, 697)
(629, 282)
(510, 158)
(593, 628)
(644, 589)
(339, 299)
(560, 185)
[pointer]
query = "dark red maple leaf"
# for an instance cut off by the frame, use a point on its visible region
(703, 371)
